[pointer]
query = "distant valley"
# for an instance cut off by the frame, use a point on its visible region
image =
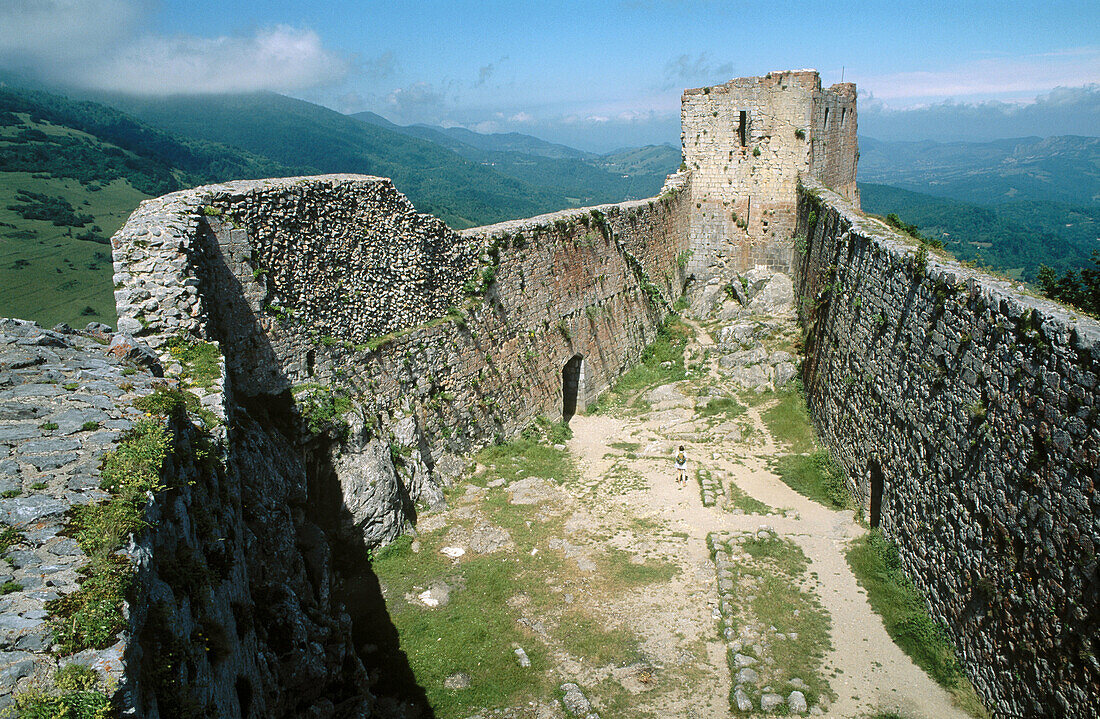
(71, 171)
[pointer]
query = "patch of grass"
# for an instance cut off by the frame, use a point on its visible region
(817, 476)
(92, 615)
(547, 432)
(49, 274)
(722, 407)
(782, 554)
(200, 360)
(10, 587)
(767, 592)
(621, 572)
(523, 458)
(781, 604)
(789, 422)
(9, 537)
(48, 426)
(89, 426)
(662, 363)
(78, 694)
(625, 446)
(472, 633)
(875, 562)
(39, 486)
(740, 499)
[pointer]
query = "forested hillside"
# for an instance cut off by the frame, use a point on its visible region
(70, 175)
(1014, 238)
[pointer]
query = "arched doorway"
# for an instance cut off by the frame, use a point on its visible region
(875, 470)
(571, 377)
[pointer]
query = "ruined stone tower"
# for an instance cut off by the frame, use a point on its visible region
(746, 144)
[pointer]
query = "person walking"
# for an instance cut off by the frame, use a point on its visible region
(681, 467)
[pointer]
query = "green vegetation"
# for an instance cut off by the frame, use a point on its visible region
(817, 476)
(1016, 238)
(877, 566)
(492, 598)
(545, 431)
(740, 499)
(77, 693)
(1079, 289)
(768, 591)
(662, 363)
(523, 458)
(92, 615)
(789, 422)
(58, 210)
(9, 537)
(323, 408)
(721, 407)
(200, 360)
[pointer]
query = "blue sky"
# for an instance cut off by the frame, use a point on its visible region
(596, 74)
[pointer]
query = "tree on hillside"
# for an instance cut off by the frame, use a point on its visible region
(1080, 289)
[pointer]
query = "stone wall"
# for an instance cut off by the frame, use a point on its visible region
(491, 321)
(439, 343)
(746, 143)
(971, 409)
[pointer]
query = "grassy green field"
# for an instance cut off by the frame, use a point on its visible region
(46, 273)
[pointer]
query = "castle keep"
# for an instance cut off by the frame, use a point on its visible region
(963, 409)
(747, 144)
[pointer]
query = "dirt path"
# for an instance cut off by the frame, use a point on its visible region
(679, 619)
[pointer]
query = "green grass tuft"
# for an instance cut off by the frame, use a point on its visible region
(789, 422)
(740, 499)
(662, 363)
(200, 360)
(79, 694)
(817, 476)
(723, 407)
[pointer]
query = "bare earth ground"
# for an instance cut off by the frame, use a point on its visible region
(625, 501)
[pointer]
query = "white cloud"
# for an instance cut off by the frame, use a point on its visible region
(98, 44)
(1062, 111)
(521, 117)
(989, 77)
(280, 58)
(59, 31)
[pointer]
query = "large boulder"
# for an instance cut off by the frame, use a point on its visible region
(776, 297)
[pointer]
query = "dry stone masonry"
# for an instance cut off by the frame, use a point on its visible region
(358, 351)
(966, 414)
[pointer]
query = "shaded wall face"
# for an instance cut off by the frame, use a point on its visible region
(979, 405)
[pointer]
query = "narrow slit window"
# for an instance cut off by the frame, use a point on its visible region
(826, 118)
(743, 128)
